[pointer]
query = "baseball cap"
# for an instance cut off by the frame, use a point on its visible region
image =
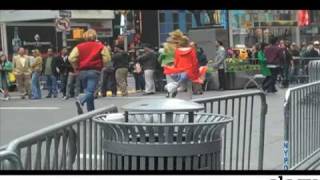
(316, 43)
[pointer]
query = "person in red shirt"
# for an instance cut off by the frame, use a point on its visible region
(89, 58)
(185, 67)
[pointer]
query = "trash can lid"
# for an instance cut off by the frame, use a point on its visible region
(163, 105)
(114, 117)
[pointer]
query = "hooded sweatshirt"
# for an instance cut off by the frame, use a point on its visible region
(185, 60)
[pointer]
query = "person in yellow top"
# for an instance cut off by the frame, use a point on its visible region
(36, 67)
(89, 58)
(22, 71)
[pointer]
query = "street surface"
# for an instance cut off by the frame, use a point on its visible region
(20, 117)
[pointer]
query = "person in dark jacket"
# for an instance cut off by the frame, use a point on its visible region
(286, 64)
(274, 56)
(121, 64)
(294, 51)
(51, 71)
(149, 63)
(64, 67)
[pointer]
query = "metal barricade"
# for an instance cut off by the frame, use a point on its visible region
(314, 71)
(300, 73)
(9, 161)
(302, 127)
(74, 144)
(243, 145)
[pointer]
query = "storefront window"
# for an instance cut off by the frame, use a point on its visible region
(310, 33)
(253, 26)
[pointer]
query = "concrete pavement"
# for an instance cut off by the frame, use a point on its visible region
(19, 117)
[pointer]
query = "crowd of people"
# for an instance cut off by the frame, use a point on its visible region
(95, 68)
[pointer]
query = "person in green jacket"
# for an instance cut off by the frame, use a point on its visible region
(264, 70)
(166, 57)
(5, 68)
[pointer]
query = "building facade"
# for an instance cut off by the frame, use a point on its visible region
(37, 28)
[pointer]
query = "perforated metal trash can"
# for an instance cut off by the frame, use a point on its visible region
(151, 144)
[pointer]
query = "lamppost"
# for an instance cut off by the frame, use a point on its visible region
(125, 33)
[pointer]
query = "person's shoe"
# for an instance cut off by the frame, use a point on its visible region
(49, 96)
(79, 107)
(22, 97)
(220, 89)
(55, 96)
(65, 97)
(149, 93)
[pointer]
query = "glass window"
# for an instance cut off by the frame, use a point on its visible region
(189, 18)
(176, 26)
(161, 17)
(175, 17)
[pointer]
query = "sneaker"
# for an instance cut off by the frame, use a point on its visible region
(79, 107)
(65, 98)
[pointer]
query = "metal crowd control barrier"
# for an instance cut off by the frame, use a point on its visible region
(72, 144)
(243, 143)
(301, 71)
(9, 161)
(314, 71)
(302, 127)
(149, 144)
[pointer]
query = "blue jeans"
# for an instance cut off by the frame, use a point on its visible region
(180, 77)
(35, 85)
(89, 80)
(52, 85)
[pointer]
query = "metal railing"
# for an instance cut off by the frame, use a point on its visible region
(302, 127)
(301, 72)
(9, 161)
(243, 138)
(72, 144)
(314, 71)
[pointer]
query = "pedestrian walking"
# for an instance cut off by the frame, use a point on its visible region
(36, 67)
(64, 67)
(108, 81)
(5, 69)
(274, 56)
(138, 77)
(89, 58)
(221, 55)
(202, 61)
(149, 63)
(286, 64)
(120, 62)
(264, 70)
(294, 71)
(22, 71)
(51, 71)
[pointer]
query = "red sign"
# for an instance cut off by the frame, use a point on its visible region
(303, 18)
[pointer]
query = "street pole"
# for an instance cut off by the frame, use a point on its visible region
(230, 28)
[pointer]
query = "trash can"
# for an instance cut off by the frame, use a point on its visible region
(153, 144)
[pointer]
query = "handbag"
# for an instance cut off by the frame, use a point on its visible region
(11, 77)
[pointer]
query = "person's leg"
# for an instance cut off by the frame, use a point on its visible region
(221, 79)
(121, 76)
(38, 85)
(49, 85)
(149, 88)
(135, 76)
(54, 86)
(70, 83)
(91, 78)
(147, 80)
(64, 80)
(27, 82)
(153, 87)
(77, 86)
(19, 81)
(34, 93)
(104, 83)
